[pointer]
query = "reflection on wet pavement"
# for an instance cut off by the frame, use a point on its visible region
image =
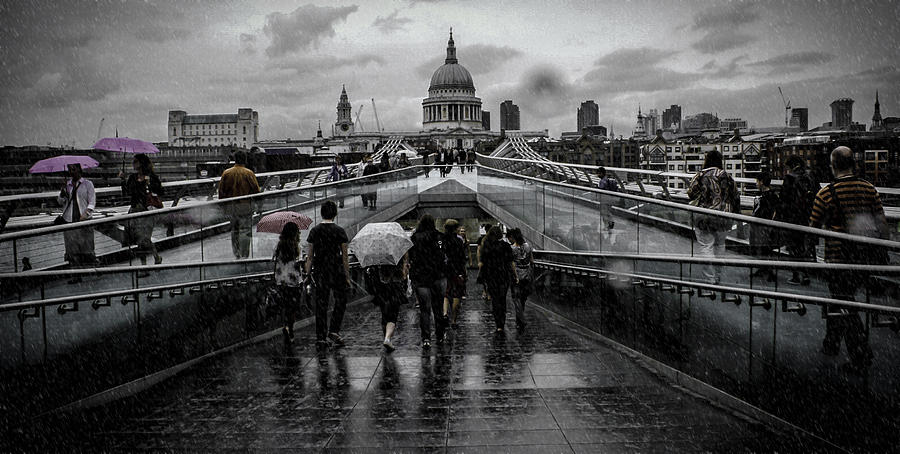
(546, 390)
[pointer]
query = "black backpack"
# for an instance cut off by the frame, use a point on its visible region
(805, 190)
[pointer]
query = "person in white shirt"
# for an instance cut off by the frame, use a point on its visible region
(78, 200)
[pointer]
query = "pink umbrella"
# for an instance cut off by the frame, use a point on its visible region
(59, 163)
(274, 222)
(125, 145)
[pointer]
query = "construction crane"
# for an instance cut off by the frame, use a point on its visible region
(357, 124)
(787, 106)
(377, 123)
(100, 129)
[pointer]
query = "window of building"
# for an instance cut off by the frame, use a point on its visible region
(728, 166)
(680, 167)
(677, 149)
(245, 132)
(671, 166)
(726, 147)
(737, 167)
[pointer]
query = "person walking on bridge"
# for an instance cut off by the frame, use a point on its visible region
(798, 193)
(498, 270)
(239, 181)
(144, 190)
(849, 205)
(524, 260)
(78, 199)
(288, 281)
(714, 189)
(338, 172)
(607, 184)
(328, 263)
(455, 250)
(427, 263)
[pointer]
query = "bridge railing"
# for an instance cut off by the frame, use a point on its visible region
(645, 182)
(134, 327)
(200, 231)
(803, 357)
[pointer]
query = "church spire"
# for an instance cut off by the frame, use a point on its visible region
(877, 123)
(451, 50)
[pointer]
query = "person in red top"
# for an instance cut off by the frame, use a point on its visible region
(236, 182)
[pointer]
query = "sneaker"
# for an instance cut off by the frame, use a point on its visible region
(321, 345)
(388, 345)
(426, 343)
(454, 326)
(794, 281)
(157, 260)
(336, 339)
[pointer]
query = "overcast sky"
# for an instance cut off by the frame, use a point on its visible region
(67, 64)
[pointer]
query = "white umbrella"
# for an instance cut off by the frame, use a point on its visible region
(380, 243)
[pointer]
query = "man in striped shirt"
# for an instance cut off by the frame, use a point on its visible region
(857, 202)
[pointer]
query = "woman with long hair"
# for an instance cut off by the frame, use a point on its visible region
(427, 266)
(497, 272)
(144, 190)
(524, 260)
(288, 279)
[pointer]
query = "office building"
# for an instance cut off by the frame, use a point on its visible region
(509, 116)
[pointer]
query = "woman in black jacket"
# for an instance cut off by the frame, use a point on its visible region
(144, 191)
(497, 271)
(427, 265)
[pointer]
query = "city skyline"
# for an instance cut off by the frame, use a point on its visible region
(130, 63)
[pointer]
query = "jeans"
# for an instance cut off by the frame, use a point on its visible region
(241, 234)
(849, 327)
(520, 295)
(498, 301)
(431, 305)
(712, 244)
(335, 286)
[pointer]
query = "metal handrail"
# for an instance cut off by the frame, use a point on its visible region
(882, 270)
(725, 289)
(116, 293)
(590, 168)
(32, 274)
(167, 210)
(894, 245)
(169, 184)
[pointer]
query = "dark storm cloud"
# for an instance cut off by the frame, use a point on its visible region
(391, 23)
(477, 58)
(721, 26)
(161, 33)
(303, 28)
(730, 15)
(793, 62)
(636, 69)
(248, 43)
(326, 63)
(733, 68)
(721, 40)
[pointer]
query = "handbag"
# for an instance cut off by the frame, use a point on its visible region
(60, 220)
(153, 201)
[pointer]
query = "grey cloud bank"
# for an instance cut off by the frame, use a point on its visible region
(68, 64)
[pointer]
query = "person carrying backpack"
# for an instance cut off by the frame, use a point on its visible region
(606, 184)
(798, 192)
(849, 205)
(713, 188)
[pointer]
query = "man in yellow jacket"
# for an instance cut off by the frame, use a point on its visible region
(239, 181)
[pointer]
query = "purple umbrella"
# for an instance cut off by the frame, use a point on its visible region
(59, 163)
(125, 145)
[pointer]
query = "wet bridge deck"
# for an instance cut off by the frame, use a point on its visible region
(546, 390)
